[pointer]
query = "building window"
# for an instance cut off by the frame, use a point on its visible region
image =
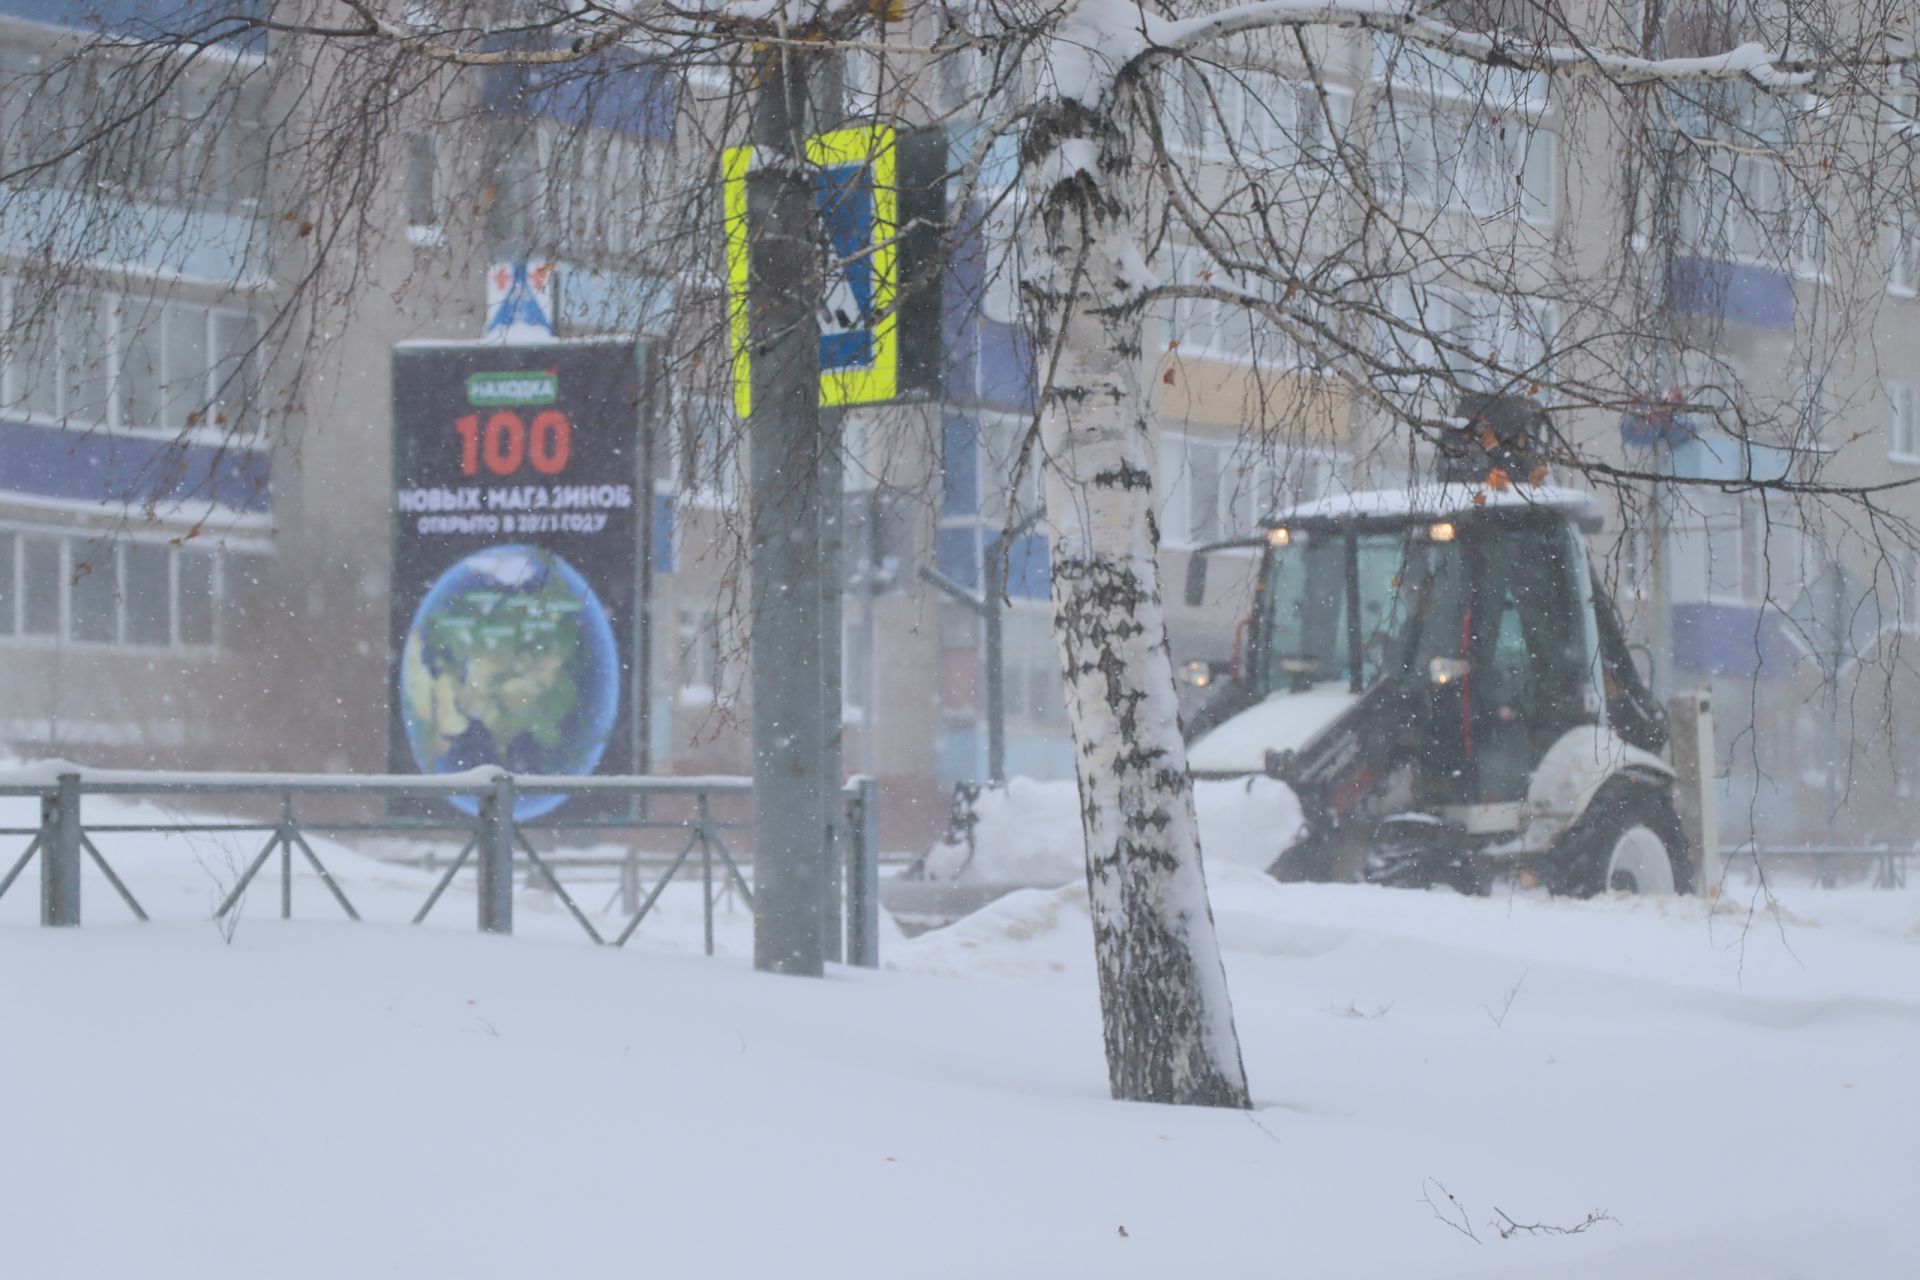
(1809, 239)
(705, 464)
(1032, 683)
(103, 590)
(1812, 409)
(1903, 259)
(136, 363)
(43, 586)
(1902, 442)
(1002, 436)
(1212, 489)
(1257, 118)
(1221, 328)
(697, 665)
(1746, 561)
(1443, 154)
(423, 182)
(1449, 334)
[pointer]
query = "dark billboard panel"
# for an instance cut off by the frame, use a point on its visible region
(521, 506)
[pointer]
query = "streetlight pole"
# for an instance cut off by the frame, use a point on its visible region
(785, 445)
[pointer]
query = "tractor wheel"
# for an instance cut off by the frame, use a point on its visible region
(1628, 841)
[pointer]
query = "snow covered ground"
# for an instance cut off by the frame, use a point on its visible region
(322, 1099)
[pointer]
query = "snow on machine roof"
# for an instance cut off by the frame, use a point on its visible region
(1440, 501)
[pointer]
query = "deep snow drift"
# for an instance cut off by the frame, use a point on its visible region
(1029, 831)
(322, 1099)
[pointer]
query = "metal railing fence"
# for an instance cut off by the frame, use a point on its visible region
(494, 838)
(1881, 866)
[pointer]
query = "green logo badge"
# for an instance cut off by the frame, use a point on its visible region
(530, 387)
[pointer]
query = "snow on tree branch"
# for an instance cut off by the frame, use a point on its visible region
(1108, 35)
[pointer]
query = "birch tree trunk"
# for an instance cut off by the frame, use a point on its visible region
(1163, 993)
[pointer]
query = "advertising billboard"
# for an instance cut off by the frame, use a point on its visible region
(521, 514)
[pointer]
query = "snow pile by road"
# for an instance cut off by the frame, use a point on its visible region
(1028, 832)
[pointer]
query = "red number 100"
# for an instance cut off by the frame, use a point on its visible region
(506, 442)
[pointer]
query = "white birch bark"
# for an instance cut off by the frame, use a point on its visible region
(1163, 994)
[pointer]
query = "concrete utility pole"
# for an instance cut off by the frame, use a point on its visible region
(790, 789)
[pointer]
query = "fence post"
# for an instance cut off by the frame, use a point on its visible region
(863, 874)
(1690, 727)
(60, 853)
(494, 857)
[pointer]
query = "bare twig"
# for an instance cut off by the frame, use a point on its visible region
(1454, 1214)
(1506, 1006)
(1353, 1010)
(1508, 1228)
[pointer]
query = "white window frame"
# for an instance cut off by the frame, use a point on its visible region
(171, 423)
(1812, 411)
(1462, 168)
(1263, 480)
(1213, 113)
(999, 433)
(716, 483)
(1903, 432)
(1481, 322)
(697, 634)
(1730, 556)
(1194, 325)
(63, 637)
(1034, 686)
(1903, 258)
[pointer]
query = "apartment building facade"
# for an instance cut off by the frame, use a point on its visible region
(214, 593)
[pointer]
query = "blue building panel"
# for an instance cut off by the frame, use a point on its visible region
(960, 755)
(1047, 757)
(1733, 640)
(956, 553)
(987, 363)
(638, 100)
(1737, 292)
(1006, 379)
(101, 468)
(959, 465)
(205, 19)
(1029, 575)
(960, 309)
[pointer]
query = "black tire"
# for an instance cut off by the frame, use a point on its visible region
(1580, 862)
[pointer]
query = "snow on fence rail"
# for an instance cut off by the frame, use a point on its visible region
(493, 835)
(1885, 863)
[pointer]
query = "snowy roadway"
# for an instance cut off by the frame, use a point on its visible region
(319, 1099)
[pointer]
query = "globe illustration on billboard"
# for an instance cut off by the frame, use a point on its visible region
(510, 661)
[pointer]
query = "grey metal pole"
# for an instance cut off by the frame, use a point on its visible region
(495, 858)
(832, 744)
(1660, 638)
(783, 433)
(1836, 620)
(863, 875)
(996, 580)
(870, 659)
(60, 853)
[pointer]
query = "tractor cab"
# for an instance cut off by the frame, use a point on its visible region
(1440, 660)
